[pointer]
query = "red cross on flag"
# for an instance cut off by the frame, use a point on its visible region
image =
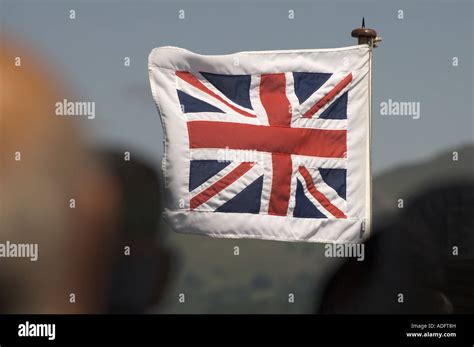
(269, 145)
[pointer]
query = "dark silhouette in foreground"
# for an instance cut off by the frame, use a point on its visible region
(413, 255)
(142, 263)
(77, 208)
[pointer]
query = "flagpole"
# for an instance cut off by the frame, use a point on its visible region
(368, 36)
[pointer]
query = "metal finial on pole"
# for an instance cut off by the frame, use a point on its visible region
(366, 35)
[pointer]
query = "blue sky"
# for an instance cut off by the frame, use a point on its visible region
(414, 62)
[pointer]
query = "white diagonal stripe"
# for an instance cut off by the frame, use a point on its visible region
(211, 87)
(199, 94)
(327, 190)
(321, 92)
(312, 198)
(232, 190)
(214, 179)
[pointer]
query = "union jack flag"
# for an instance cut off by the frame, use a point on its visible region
(265, 143)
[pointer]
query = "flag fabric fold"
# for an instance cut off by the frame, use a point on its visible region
(269, 145)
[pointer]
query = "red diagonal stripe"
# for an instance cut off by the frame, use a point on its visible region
(328, 97)
(321, 198)
(218, 186)
(192, 80)
(302, 141)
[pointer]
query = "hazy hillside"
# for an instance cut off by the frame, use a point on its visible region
(410, 179)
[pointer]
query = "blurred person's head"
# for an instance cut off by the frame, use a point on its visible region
(413, 256)
(142, 262)
(36, 193)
